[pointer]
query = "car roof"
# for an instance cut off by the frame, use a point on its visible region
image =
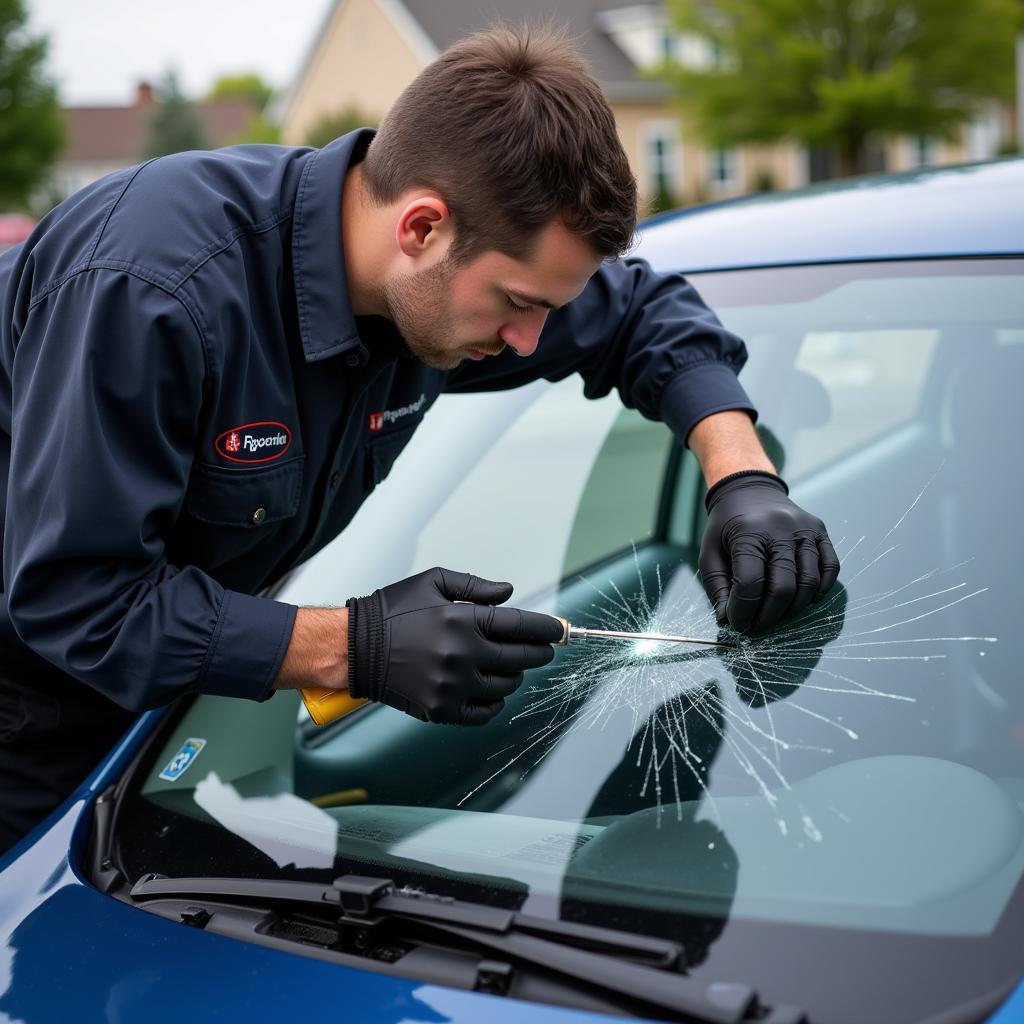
(966, 210)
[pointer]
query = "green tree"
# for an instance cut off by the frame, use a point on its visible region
(259, 129)
(247, 86)
(175, 125)
(330, 126)
(250, 87)
(838, 73)
(31, 125)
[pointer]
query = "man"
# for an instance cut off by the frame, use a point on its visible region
(192, 354)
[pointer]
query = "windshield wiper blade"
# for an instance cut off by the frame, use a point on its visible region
(602, 957)
(359, 897)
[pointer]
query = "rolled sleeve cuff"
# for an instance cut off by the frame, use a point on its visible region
(700, 391)
(248, 646)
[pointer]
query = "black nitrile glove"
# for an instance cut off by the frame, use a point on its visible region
(412, 647)
(763, 557)
(777, 664)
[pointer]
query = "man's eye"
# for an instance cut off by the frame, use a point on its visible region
(517, 307)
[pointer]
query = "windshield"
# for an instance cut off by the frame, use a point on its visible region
(856, 772)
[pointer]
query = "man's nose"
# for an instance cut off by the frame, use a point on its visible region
(522, 338)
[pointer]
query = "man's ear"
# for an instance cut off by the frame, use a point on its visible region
(424, 224)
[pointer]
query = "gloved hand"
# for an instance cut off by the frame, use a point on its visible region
(776, 665)
(763, 557)
(412, 647)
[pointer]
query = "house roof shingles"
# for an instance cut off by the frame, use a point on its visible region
(119, 134)
(445, 21)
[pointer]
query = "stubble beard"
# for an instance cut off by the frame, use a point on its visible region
(417, 305)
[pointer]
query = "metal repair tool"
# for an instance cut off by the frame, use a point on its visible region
(572, 632)
(326, 705)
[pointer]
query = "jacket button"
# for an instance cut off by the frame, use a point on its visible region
(258, 516)
(335, 480)
(351, 359)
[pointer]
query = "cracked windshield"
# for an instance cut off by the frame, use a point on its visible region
(806, 775)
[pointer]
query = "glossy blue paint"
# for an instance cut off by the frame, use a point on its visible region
(1012, 1011)
(971, 210)
(77, 949)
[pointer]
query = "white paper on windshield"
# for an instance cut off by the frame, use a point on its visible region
(288, 829)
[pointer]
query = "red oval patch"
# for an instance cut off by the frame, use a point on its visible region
(262, 441)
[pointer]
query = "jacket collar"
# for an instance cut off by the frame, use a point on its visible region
(326, 322)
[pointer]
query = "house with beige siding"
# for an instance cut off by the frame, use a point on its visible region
(366, 51)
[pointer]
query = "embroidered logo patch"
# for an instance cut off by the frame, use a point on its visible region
(254, 442)
(378, 420)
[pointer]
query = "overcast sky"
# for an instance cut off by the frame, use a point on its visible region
(100, 49)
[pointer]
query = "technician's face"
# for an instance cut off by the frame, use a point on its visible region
(448, 314)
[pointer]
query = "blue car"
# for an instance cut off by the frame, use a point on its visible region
(824, 823)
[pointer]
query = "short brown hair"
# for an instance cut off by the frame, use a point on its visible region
(509, 127)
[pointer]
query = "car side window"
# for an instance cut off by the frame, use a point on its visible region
(887, 369)
(619, 504)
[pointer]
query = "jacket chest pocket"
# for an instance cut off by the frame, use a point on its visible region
(245, 498)
(381, 453)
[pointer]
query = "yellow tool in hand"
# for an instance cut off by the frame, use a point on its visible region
(325, 705)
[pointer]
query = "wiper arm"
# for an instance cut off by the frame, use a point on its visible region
(602, 957)
(360, 898)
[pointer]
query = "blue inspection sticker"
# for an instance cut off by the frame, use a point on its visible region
(178, 765)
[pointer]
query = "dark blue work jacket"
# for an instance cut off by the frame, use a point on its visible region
(189, 408)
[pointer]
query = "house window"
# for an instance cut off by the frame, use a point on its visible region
(724, 170)
(821, 164)
(983, 134)
(668, 46)
(923, 151)
(663, 160)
